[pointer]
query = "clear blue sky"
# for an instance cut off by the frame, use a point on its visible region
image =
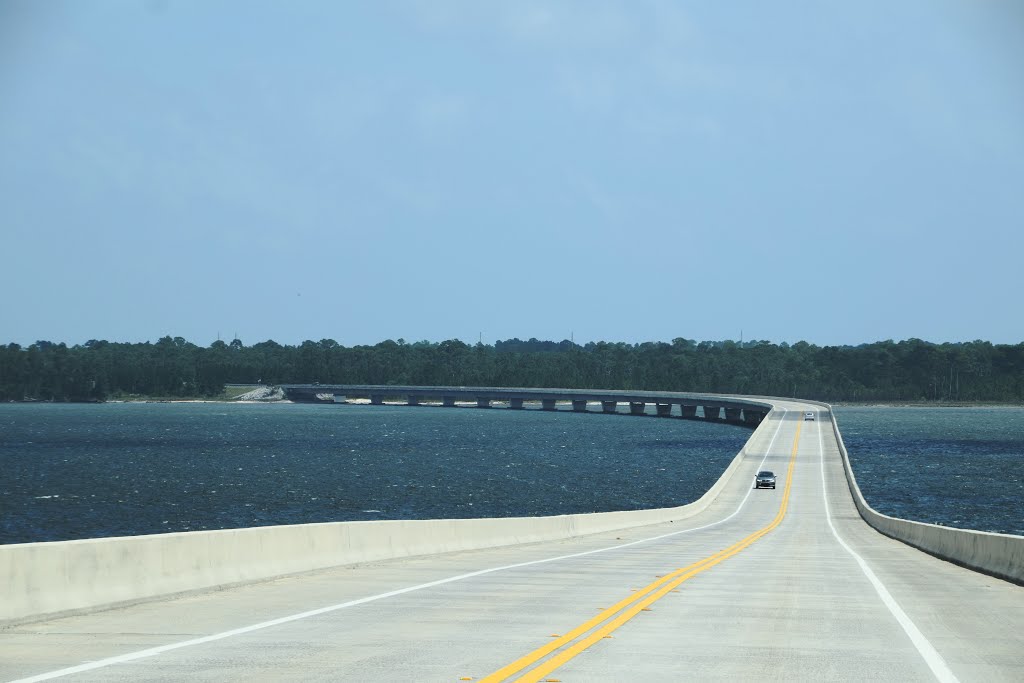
(835, 172)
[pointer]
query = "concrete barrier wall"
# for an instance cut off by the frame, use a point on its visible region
(46, 579)
(1000, 555)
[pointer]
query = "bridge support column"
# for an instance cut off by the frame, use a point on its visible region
(752, 417)
(609, 406)
(689, 412)
(636, 408)
(712, 412)
(376, 400)
(579, 406)
(664, 409)
(483, 402)
(448, 401)
(547, 403)
(412, 400)
(733, 414)
(515, 403)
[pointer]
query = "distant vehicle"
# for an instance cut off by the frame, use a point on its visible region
(765, 479)
(809, 415)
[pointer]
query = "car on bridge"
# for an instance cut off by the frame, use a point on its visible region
(765, 479)
(809, 415)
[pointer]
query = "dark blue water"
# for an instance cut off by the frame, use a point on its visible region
(83, 471)
(959, 467)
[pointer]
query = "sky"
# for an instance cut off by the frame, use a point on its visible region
(832, 172)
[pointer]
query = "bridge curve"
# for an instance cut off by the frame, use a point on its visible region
(712, 407)
(784, 584)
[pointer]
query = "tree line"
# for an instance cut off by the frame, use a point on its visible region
(910, 370)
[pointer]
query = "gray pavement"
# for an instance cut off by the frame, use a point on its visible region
(795, 604)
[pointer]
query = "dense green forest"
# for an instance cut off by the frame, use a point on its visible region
(911, 370)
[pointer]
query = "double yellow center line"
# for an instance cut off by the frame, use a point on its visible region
(585, 635)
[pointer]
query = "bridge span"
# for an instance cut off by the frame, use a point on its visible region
(745, 584)
(744, 411)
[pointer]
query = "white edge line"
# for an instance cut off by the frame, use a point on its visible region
(149, 652)
(928, 652)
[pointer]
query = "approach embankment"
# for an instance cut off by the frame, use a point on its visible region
(46, 579)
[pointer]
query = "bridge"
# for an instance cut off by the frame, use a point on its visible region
(712, 408)
(804, 582)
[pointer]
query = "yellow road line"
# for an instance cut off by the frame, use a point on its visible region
(629, 607)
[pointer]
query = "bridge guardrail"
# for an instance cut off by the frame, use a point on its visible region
(999, 555)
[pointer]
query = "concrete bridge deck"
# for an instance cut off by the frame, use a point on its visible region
(784, 584)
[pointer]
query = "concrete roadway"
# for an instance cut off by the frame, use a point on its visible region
(790, 599)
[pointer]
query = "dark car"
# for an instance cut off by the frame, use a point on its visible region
(765, 479)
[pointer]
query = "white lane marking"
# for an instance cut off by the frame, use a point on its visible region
(149, 652)
(927, 651)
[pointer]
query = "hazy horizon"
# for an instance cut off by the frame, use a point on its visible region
(839, 173)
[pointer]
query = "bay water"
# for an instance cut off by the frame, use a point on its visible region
(72, 471)
(82, 471)
(955, 466)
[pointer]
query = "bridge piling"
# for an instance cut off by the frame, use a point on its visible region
(736, 410)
